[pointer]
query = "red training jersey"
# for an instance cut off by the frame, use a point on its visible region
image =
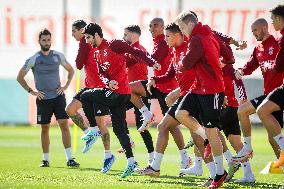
(136, 69)
(162, 54)
(186, 78)
(279, 62)
(264, 56)
(85, 58)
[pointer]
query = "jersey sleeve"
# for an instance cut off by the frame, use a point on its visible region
(30, 63)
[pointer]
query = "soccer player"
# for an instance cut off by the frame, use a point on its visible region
(85, 58)
(112, 66)
(207, 94)
(263, 56)
(136, 71)
(275, 100)
(49, 93)
(161, 53)
(174, 39)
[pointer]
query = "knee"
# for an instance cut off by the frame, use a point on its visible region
(241, 112)
(71, 110)
(161, 128)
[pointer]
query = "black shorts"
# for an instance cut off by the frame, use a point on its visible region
(208, 107)
(229, 121)
(105, 99)
(46, 108)
(174, 107)
(79, 93)
(275, 98)
(156, 94)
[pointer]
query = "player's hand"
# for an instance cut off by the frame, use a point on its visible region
(239, 74)
(157, 66)
(39, 94)
(242, 45)
(113, 85)
(61, 90)
(151, 83)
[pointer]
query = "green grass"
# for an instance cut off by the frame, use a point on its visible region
(20, 155)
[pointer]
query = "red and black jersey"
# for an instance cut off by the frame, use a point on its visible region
(162, 54)
(203, 55)
(279, 62)
(264, 56)
(185, 79)
(112, 64)
(229, 80)
(85, 58)
(136, 69)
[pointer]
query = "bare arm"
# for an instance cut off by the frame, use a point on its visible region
(20, 78)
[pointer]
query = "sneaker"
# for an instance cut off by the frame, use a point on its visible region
(129, 169)
(44, 163)
(207, 151)
(233, 167)
(90, 135)
(149, 171)
(147, 123)
(121, 150)
(189, 144)
(280, 161)
(246, 179)
(107, 164)
(218, 181)
(243, 155)
(72, 163)
(194, 170)
(207, 182)
(92, 138)
(185, 165)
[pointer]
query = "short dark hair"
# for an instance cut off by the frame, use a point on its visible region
(44, 32)
(173, 27)
(92, 29)
(79, 24)
(278, 10)
(134, 29)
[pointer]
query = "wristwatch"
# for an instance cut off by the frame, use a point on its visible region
(30, 90)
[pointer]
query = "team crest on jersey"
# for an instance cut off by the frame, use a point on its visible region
(181, 56)
(105, 53)
(270, 50)
(55, 58)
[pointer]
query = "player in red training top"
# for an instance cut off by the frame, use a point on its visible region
(137, 70)
(275, 100)
(110, 57)
(85, 59)
(263, 56)
(207, 93)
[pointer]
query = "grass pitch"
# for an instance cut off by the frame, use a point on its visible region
(20, 155)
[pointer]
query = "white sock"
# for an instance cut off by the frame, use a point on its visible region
(151, 157)
(247, 143)
(94, 129)
(183, 155)
(156, 164)
(108, 154)
(146, 113)
(201, 132)
(247, 168)
(46, 156)
(68, 153)
(130, 160)
(86, 131)
(218, 160)
(280, 141)
(198, 161)
(228, 156)
(212, 169)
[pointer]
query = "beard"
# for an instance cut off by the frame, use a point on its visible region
(45, 48)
